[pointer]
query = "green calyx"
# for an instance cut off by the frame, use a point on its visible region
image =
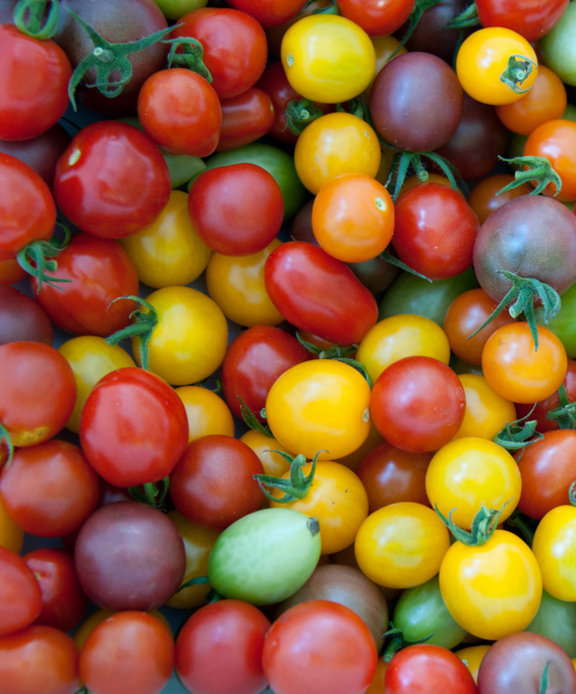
(38, 19)
(517, 71)
(404, 162)
(38, 258)
(143, 323)
(397, 641)
(483, 526)
(251, 420)
(151, 493)
(467, 18)
(300, 113)
(294, 487)
(537, 171)
(188, 52)
(337, 353)
(565, 413)
(516, 435)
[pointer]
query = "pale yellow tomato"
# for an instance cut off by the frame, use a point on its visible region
(486, 412)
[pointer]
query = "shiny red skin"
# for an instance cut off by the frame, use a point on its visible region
(245, 118)
(530, 18)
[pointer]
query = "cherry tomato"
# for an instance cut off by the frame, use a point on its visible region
(485, 196)
(21, 599)
(375, 17)
(555, 141)
(486, 413)
(270, 13)
(206, 411)
(22, 318)
(530, 18)
(245, 118)
(11, 535)
(554, 547)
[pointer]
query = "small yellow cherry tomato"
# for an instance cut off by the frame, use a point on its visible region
(327, 58)
(554, 545)
(266, 449)
(334, 144)
(469, 473)
(207, 413)
(401, 545)
(236, 283)
(403, 335)
(493, 589)
(90, 358)
(496, 65)
(169, 251)
(319, 405)
(472, 657)
(486, 412)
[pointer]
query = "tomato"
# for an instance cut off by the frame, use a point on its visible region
(435, 231)
(245, 118)
(265, 556)
(300, 278)
(561, 325)
(401, 545)
(51, 659)
(493, 589)
(49, 489)
(95, 185)
(469, 473)
(349, 69)
(63, 601)
(319, 406)
(236, 209)
(99, 271)
(21, 601)
(340, 652)
(219, 649)
(555, 621)
(268, 451)
(10, 271)
(556, 47)
(198, 542)
(234, 46)
(390, 474)
(270, 13)
(353, 217)
(164, 111)
(417, 404)
(484, 57)
(37, 392)
(206, 411)
(519, 372)
(237, 285)
(253, 361)
(169, 251)
(144, 440)
(375, 17)
(554, 548)
(426, 668)
(22, 318)
(128, 649)
(554, 140)
(485, 196)
(11, 535)
(486, 413)
(334, 144)
(472, 656)
(530, 18)
(27, 208)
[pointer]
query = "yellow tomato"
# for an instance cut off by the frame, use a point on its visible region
(334, 144)
(169, 251)
(396, 337)
(189, 340)
(555, 548)
(469, 473)
(472, 657)
(207, 413)
(327, 58)
(198, 542)
(337, 498)
(11, 535)
(266, 449)
(483, 62)
(319, 405)
(90, 358)
(236, 283)
(486, 412)
(401, 545)
(493, 589)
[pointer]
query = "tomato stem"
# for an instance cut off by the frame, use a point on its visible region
(393, 260)
(199, 580)
(151, 493)
(251, 420)
(518, 434)
(5, 436)
(398, 642)
(517, 71)
(37, 258)
(190, 55)
(483, 525)
(294, 487)
(544, 679)
(565, 413)
(537, 171)
(39, 19)
(300, 113)
(466, 18)
(142, 326)
(420, 6)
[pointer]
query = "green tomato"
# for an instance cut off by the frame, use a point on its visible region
(556, 619)
(558, 47)
(174, 9)
(564, 324)
(277, 162)
(420, 612)
(411, 294)
(265, 556)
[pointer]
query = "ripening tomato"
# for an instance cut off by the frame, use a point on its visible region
(486, 413)
(245, 118)
(554, 547)
(20, 592)
(555, 140)
(206, 411)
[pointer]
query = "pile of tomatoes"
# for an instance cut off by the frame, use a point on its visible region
(287, 346)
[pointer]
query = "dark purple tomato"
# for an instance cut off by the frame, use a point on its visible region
(478, 141)
(416, 102)
(531, 236)
(22, 318)
(129, 556)
(516, 663)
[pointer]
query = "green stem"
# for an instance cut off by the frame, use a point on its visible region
(251, 420)
(151, 493)
(565, 413)
(5, 436)
(518, 434)
(517, 71)
(393, 260)
(300, 113)
(188, 52)
(39, 19)
(142, 326)
(294, 487)
(537, 171)
(467, 18)
(420, 6)
(38, 258)
(483, 525)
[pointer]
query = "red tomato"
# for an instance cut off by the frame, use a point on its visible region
(20, 596)
(219, 649)
(112, 180)
(418, 404)
(133, 427)
(245, 118)
(234, 44)
(236, 209)
(180, 111)
(530, 18)
(318, 293)
(377, 17)
(33, 84)
(270, 13)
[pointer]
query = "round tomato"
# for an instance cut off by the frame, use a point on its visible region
(376, 17)
(554, 547)
(206, 411)
(245, 118)
(486, 413)
(531, 18)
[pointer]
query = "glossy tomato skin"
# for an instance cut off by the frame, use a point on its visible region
(22, 318)
(377, 17)
(340, 651)
(245, 118)
(253, 361)
(99, 271)
(33, 85)
(270, 13)
(530, 18)
(28, 211)
(300, 279)
(20, 593)
(219, 649)
(133, 427)
(95, 183)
